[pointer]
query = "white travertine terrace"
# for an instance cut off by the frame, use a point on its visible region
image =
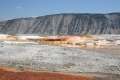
(84, 41)
(92, 58)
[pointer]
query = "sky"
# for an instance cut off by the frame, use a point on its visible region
(10, 9)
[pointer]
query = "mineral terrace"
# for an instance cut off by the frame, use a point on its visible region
(95, 55)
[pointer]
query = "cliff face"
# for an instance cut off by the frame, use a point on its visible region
(64, 24)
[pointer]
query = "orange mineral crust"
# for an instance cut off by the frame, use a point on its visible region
(27, 75)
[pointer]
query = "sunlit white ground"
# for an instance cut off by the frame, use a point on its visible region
(55, 58)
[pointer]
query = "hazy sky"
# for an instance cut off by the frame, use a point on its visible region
(25, 8)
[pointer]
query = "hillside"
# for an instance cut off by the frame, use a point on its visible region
(64, 24)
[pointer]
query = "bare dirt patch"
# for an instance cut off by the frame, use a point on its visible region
(10, 75)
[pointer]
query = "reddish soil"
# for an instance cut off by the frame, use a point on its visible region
(12, 75)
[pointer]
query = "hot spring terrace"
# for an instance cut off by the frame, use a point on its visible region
(90, 41)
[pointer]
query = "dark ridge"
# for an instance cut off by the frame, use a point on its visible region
(64, 24)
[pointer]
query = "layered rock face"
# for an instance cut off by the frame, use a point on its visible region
(64, 24)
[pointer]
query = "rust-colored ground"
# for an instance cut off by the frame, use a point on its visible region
(12, 75)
